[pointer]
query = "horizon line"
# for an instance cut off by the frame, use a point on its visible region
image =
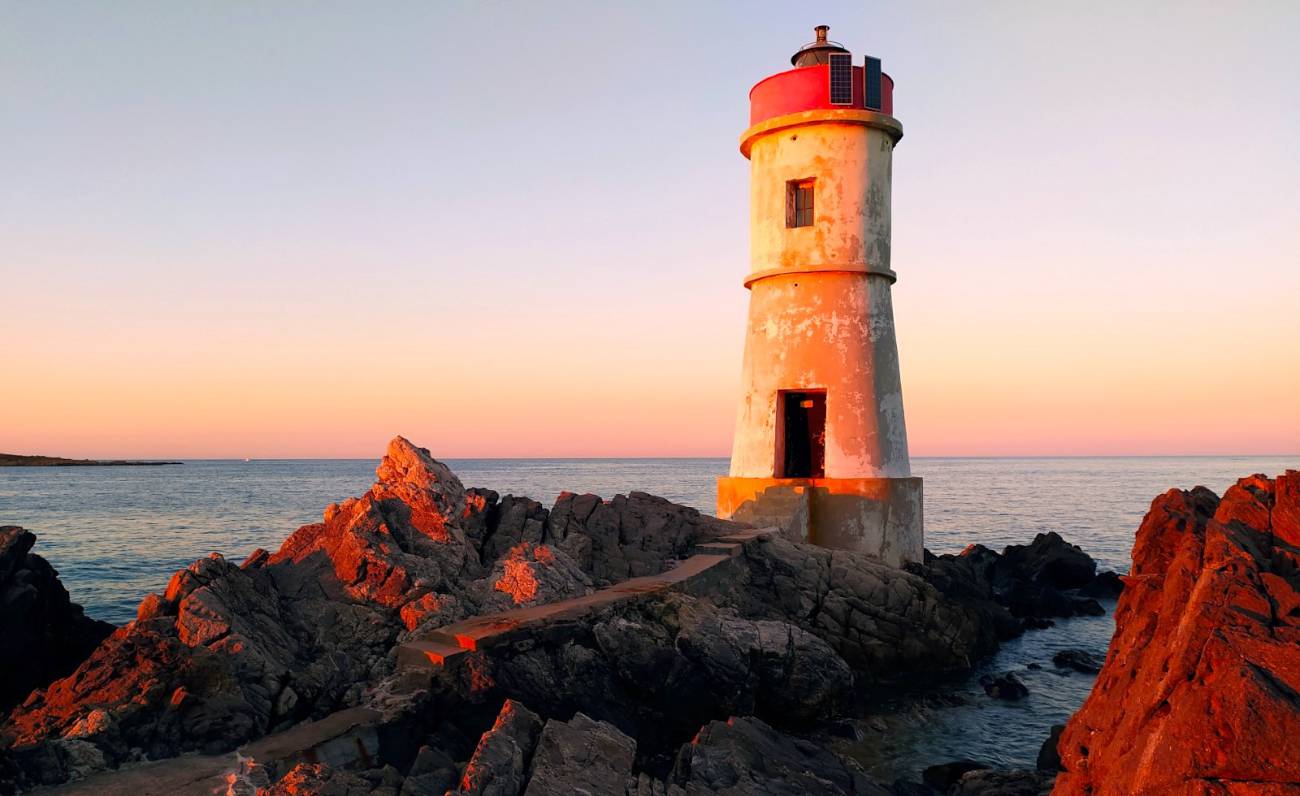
(676, 458)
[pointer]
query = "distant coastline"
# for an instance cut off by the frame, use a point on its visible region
(15, 460)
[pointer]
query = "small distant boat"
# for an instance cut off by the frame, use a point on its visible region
(248, 460)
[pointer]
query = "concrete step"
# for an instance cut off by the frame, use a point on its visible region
(766, 520)
(426, 652)
(780, 503)
(729, 549)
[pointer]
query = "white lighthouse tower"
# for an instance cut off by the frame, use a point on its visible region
(820, 444)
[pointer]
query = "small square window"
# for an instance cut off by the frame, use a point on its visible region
(799, 203)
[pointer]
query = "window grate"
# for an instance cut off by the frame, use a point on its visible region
(799, 203)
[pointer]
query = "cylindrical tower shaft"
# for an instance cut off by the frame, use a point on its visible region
(820, 314)
(820, 442)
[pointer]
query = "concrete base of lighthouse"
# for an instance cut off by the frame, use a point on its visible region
(878, 516)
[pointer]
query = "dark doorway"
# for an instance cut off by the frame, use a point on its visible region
(802, 453)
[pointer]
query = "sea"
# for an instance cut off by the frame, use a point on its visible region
(118, 533)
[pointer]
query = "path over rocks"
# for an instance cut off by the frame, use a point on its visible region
(448, 644)
(340, 739)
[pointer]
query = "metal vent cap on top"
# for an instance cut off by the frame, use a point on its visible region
(817, 52)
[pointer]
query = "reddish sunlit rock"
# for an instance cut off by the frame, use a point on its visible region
(421, 609)
(316, 779)
(1200, 692)
(400, 535)
(517, 581)
(532, 570)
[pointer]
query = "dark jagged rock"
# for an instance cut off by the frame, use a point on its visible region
(432, 773)
(660, 668)
(746, 756)
(1086, 606)
(500, 762)
(580, 756)
(1046, 578)
(1004, 686)
(629, 536)
(883, 621)
(1078, 660)
(1200, 692)
(766, 666)
(903, 787)
(1049, 759)
(1037, 601)
(1048, 560)
(945, 775)
(968, 579)
(1002, 782)
(515, 520)
(1107, 586)
(43, 634)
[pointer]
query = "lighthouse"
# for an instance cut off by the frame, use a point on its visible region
(820, 445)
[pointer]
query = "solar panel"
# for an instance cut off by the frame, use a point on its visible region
(841, 79)
(871, 82)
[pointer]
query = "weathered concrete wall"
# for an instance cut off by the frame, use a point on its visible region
(831, 331)
(820, 314)
(852, 164)
(882, 517)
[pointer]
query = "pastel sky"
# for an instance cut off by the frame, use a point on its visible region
(519, 228)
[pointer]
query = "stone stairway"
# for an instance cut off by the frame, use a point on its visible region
(784, 507)
(339, 739)
(448, 644)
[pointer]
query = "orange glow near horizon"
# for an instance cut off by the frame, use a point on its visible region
(973, 386)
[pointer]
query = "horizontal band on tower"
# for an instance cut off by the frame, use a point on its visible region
(880, 121)
(822, 269)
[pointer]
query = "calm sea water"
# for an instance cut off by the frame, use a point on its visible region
(117, 533)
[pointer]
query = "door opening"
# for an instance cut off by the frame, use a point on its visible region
(801, 452)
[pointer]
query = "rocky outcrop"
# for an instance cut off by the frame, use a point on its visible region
(317, 779)
(784, 633)
(945, 776)
(231, 652)
(746, 756)
(882, 621)
(1004, 782)
(1200, 691)
(500, 761)
(628, 536)
(580, 756)
(658, 668)
(222, 657)
(1004, 686)
(43, 634)
(519, 755)
(1024, 584)
(1078, 660)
